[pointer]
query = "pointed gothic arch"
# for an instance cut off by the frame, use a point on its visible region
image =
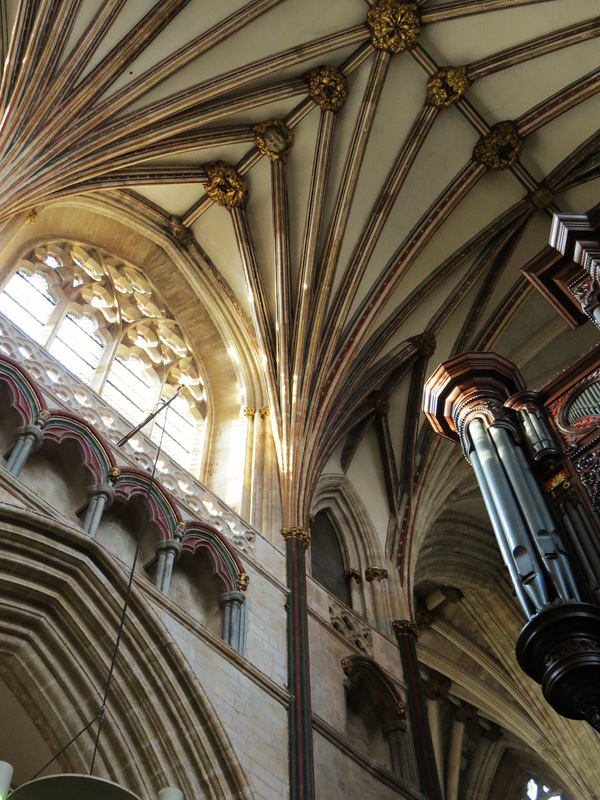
(57, 639)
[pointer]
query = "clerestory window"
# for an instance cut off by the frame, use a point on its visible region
(539, 791)
(101, 318)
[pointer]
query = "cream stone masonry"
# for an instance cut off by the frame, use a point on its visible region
(65, 391)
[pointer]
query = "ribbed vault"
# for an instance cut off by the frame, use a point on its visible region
(404, 209)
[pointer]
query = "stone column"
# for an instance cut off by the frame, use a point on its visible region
(401, 751)
(462, 715)
(464, 400)
(406, 635)
(353, 579)
(374, 576)
(302, 786)
(233, 605)
(168, 553)
(101, 496)
(436, 689)
(29, 439)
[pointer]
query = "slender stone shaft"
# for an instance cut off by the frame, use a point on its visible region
(234, 619)
(101, 496)
(29, 439)
(457, 734)
(168, 553)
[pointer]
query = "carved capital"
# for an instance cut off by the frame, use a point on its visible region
(465, 713)
(225, 186)
(296, 532)
(242, 581)
(404, 627)
(394, 26)
(352, 575)
(328, 87)
(437, 687)
(425, 343)
(265, 412)
(375, 574)
(274, 139)
(42, 418)
(447, 86)
(249, 412)
(500, 148)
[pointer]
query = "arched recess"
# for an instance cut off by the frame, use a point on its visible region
(209, 582)
(163, 512)
(360, 547)
(195, 292)
(376, 716)
(26, 397)
(138, 500)
(61, 596)
(198, 537)
(21, 404)
(358, 536)
(98, 458)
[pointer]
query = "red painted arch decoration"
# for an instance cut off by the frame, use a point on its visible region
(61, 425)
(226, 564)
(27, 399)
(163, 511)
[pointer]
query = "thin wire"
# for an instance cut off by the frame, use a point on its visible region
(100, 715)
(142, 524)
(60, 752)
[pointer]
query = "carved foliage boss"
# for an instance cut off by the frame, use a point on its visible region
(394, 26)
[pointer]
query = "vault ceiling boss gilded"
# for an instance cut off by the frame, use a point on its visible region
(274, 139)
(328, 87)
(501, 147)
(447, 86)
(394, 26)
(225, 185)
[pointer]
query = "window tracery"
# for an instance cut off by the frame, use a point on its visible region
(100, 317)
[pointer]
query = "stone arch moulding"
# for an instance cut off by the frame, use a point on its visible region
(97, 456)
(163, 512)
(61, 594)
(361, 547)
(357, 534)
(226, 564)
(364, 670)
(27, 398)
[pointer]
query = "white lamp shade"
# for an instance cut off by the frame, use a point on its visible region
(169, 793)
(6, 773)
(71, 787)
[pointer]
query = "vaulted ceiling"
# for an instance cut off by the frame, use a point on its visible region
(385, 220)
